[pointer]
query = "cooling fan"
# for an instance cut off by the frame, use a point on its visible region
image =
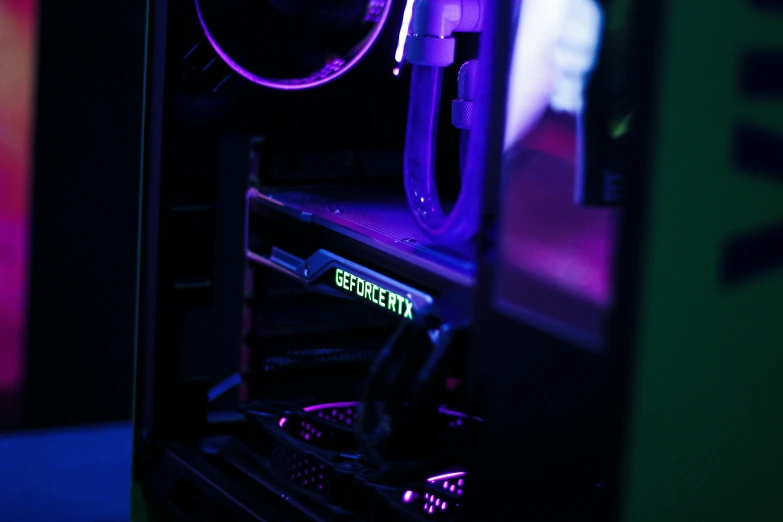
(292, 44)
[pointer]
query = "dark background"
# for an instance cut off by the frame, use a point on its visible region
(79, 357)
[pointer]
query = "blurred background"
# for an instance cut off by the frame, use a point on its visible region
(17, 45)
(74, 73)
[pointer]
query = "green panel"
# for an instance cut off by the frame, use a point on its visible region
(138, 504)
(707, 411)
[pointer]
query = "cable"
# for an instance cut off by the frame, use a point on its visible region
(398, 424)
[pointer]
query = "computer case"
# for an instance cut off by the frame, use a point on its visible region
(305, 351)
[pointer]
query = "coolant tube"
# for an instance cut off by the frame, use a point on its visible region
(420, 186)
(464, 142)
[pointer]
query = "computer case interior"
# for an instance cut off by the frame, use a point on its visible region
(308, 348)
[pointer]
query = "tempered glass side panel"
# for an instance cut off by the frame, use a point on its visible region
(556, 244)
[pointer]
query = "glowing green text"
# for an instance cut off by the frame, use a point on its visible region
(380, 296)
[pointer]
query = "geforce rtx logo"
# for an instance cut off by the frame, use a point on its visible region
(378, 295)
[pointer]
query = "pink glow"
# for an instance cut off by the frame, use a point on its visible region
(282, 422)
(17, 58)
(546, 233)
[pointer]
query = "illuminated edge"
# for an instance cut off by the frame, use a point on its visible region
(280, 85)
(317, 407)
(404, 27)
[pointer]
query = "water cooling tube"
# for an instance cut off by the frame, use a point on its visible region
(430, 49)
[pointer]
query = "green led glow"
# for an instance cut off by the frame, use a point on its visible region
(381, 297)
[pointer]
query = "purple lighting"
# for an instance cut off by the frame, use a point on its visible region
(341, 69)
(452, 413)
(457, 414)
(407, 497)
(446, 476)
(431, 500)
(317, 407)
(340, 412)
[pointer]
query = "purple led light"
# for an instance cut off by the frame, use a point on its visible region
(451, 413)
(447, 476)
(283, 85)
(317, 407)
(408, 496)
(282, 421)
(460, 415)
